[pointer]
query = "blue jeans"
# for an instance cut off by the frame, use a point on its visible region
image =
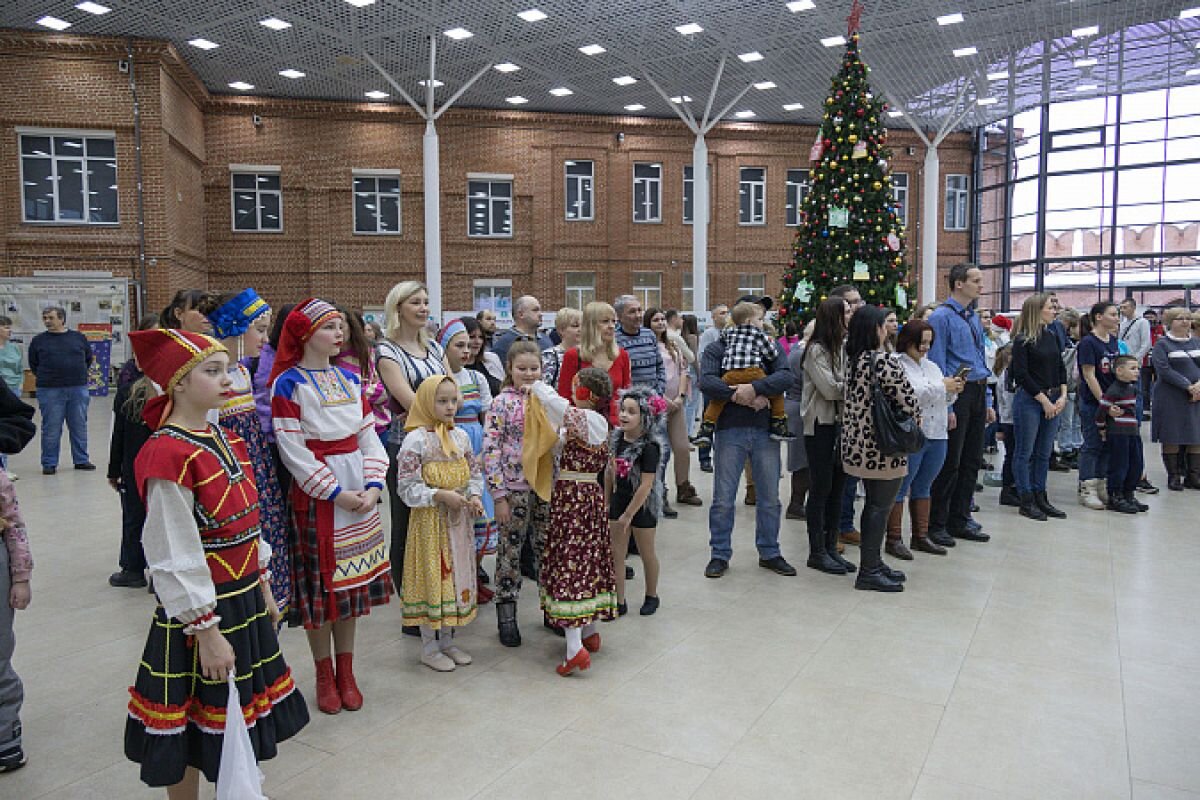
(58, 404)
(1093, 457)
(1035, 442)
(1070, 437)
(1125, 463)
(731, 448)
(849, 496)
(923, 468)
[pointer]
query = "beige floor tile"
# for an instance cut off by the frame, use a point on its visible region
(1044, 638)
(1162, 706)
(931, 787)
(805, 777)
(574, 764)
(1154, 791)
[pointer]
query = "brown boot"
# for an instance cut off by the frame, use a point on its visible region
(685, 495)
(895, 525)
(919, 511)
(795, 509)
(751, 496)
(850, 537)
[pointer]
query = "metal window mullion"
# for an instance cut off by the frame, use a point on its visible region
(85, 185)
(54, 181)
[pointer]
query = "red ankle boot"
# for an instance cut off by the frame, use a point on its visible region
(352, 698)
(327, 694)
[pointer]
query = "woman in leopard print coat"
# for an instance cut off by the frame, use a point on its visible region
(881, 474)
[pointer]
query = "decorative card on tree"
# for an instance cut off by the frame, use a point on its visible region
(839, 217)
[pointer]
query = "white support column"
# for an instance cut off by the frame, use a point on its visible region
(700, 227)
(432, 185)
(930, 219)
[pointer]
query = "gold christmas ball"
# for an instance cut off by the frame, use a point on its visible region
(852, 137)
(877, 186)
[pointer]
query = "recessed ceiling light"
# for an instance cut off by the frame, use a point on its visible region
(800, 5)
(962, 52)
(624, 80)
(436, 83)
(762, 86)
(203, 44)
(793, 106)
(241, 86)
(1090, 30)
(375, 94)
(516, 100)
(1086, 62)
(753, 55)
(93, 8)
(532, 15)
(744, 114)
(689, 29)
(635, 107)
(997, 76)
(1193, 72)
(592, 50)
(681, 98)
(894, 114)
(1086, 87)
(561, 91)
(506, 67)
(1190, 13)
(275, 24)
(459, 33)
(950, 19)
(291, 73)
(360, 3)
(986, 101)
(54, 23)
(833, 41)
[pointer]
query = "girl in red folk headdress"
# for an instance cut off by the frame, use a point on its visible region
(208, 562)
(325, 431)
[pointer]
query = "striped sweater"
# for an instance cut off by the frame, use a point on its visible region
(645, 360)
(1124, 396)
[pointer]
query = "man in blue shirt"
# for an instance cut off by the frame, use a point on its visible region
(646, 366)
(958, 342)
(59, 359)
(527, 323)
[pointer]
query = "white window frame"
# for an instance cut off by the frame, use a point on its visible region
(642, 293)
(493, 284)
(796, 191)
(754, 283)
(387, 174)
(758, 191)
(584, 185)
(491, 178)
(900, 195)
(651, 184)
(257, 170)
(576, 287)
(83, 133)
(957, 203)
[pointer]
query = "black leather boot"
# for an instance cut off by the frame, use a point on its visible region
(1043, 502)
(831, 548)
(1192, 481)
(506, 620)
(1175, 464)
(1030, 509)
(819, 558)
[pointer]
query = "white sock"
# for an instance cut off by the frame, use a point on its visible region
(429, 642)
(589, 629)
(446, 638)
(574, 638)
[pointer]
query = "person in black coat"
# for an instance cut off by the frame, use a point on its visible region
(129, 434)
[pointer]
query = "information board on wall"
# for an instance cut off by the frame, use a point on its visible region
(88, 302)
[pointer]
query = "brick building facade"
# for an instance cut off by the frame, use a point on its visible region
(191, 138)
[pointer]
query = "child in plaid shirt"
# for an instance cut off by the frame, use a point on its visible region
(748, 350)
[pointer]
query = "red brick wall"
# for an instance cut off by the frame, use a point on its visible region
(190, 138)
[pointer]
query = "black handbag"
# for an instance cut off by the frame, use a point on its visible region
(896, 431)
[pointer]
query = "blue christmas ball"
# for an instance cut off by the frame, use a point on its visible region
(825, 234)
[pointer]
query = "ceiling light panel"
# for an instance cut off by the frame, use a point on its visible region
(763, 86)
(1193, 72)
(532, 15)
(506, 67)
(950, 19)
(561, 91)
(688, 30)
(625, 80)
(375, 94)
(635, 107)
(894, 114)
(1081, 33)
(986, 101)
(241, 86)
(793, 106)
(997, 76)
(1190, 13)
(963, 52)
(93, 8)
(1086, 62)
(744, 114)
(436, 83)
(294, 74)
(517, 100)
(275, 24)
(53, 23)
(681, 98)
(592, 50)
(751, 57)
(360, 3)
(833, 41)
(796, 6)
(458, 34)
(203, 44)
(1086, 87)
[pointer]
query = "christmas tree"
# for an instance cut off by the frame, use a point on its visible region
(849, 228)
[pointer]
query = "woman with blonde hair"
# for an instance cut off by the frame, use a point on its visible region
(405, 358)
(597, 348)
(568, 322)
(1041, 381)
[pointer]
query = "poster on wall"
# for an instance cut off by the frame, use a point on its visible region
(87, 298)
(99, 336)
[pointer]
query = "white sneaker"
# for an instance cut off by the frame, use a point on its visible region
(457, 654)
(1101, 490)
(1088, 498)
(438, 661)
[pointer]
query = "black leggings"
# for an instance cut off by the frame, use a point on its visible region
(881, 496)
(824, 504)
(399, 516)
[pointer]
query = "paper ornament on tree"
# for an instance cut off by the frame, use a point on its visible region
(803, 291)
(862, 272)
(893, 241)
(901, 297)
(818, 148)
(839, 217)
(860, 150)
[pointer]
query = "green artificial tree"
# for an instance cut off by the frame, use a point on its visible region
(850, 231)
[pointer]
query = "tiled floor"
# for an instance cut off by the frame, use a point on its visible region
(1058, 661)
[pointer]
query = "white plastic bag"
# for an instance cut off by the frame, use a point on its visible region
(239, 777)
